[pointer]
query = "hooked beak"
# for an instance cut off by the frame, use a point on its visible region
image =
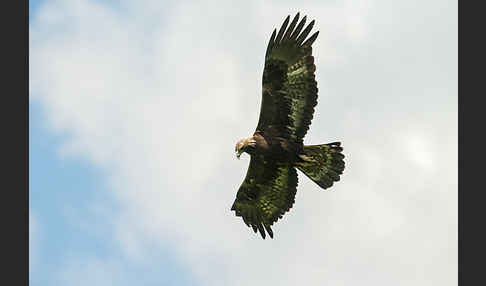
(238, 154)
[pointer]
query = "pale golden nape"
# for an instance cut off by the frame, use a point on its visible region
(242, 144)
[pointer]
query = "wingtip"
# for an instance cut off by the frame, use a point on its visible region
(269, 230)
(262, 234)
(297, 16)
(271, 235)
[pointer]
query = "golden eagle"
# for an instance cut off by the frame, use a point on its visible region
(289, 95)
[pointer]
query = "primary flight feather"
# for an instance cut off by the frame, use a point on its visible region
(289, 95)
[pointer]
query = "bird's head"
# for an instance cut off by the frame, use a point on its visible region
(243, 145)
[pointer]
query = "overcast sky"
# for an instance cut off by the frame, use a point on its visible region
(135, 110)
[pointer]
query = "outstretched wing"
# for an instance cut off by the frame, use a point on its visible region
(289, 92)
(267, 192)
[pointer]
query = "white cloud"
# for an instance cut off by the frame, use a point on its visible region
(159, 94)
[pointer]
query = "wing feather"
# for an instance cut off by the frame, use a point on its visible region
(282, 29)
(291, 28)
(289, 88)
(266, 194)
(271, 42)
(297, 30)
(305, 33)
(311, 39)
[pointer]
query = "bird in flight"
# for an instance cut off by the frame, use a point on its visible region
(276, 149)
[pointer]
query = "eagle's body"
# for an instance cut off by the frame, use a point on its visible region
(289, 95)
(274, 147)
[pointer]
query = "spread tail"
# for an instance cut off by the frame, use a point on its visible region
(322, 163)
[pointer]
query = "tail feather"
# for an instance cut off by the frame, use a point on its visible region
(323, 163)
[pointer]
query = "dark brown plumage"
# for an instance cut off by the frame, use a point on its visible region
(289, 95)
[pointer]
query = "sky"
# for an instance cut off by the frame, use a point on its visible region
(135, 107)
